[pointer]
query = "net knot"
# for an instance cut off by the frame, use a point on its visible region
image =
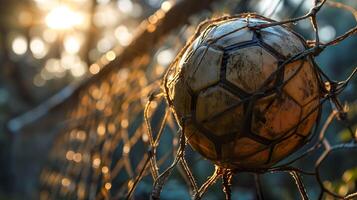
(332, 89)
(151, 151)
(318, 49)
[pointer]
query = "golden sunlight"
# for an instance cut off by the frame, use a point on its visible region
(63, 17)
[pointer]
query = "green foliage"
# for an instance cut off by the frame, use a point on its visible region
(347, 183)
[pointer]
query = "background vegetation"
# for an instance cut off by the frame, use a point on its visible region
(46, 45)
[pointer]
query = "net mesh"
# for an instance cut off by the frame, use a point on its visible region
(120, 137)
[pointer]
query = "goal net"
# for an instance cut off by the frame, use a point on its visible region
(116, 137)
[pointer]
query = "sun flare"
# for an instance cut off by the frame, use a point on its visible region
(63, 17)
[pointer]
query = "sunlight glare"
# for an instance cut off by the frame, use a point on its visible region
(63, 18)
(38, 47)
(72, 45)
(268, 6)
(19, 45)
(165, 57)
(126, 6)
(79, 69)
(327, 33)
(123, 35)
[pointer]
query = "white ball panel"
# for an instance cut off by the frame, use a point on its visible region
(310, 113)
(283, 41)
(272, 119)
(204, 69)
(249, 67)
(181, 97)
(227, 27)
(283, 149)
(240, 148)
(301, 81)
(231, 33)
(213, 101)
(200, 142)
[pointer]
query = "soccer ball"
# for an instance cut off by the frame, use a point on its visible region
(237, 104)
